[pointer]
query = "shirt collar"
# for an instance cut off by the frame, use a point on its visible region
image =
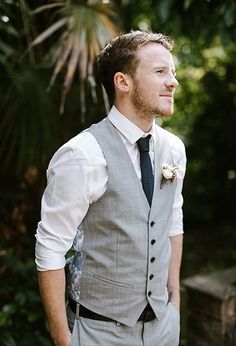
(128, 129)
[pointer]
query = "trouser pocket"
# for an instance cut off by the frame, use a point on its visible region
(75, 339)
(174, 323)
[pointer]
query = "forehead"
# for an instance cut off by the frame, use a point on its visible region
(153, 54)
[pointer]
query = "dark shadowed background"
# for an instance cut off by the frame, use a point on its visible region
(36, 36)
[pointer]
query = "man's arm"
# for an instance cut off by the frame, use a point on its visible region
(173, 283)
(52, 290)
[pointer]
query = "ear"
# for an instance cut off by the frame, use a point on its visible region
(122, 82)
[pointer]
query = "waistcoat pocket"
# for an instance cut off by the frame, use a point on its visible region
(112, 282)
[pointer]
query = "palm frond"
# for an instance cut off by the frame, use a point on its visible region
(48, 32)
(86, 29)
(6, 49)
(71, 67)
(28, 135)
(63, 54)
(27, 26)
(46, 7)
(7, 30)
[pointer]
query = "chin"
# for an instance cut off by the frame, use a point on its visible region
(164, 113)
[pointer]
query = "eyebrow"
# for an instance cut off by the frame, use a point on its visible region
(163, 67)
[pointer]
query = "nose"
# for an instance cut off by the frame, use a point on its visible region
(171, 82)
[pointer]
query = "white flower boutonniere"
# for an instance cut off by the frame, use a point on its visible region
(169, 173)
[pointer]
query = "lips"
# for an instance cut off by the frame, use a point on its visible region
(167, 95)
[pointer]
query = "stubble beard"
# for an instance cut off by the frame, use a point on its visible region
(143, 106)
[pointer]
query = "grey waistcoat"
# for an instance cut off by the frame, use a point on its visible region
(124, 268)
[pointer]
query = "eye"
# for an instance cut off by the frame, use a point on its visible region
(160, 71)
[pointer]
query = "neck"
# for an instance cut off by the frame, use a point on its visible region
(143, 121)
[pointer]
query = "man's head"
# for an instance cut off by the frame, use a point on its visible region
(121, 55)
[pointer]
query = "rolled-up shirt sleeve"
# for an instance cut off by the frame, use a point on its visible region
(66, 198)
(179, 155)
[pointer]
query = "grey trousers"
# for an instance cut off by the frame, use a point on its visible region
(87, 332)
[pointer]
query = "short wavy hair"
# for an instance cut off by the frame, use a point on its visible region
(120, 55)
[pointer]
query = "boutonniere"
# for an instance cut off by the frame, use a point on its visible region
(169, 173)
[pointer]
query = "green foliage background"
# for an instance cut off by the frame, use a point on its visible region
(31, 129)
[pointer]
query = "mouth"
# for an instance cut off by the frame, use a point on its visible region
(169, 98)
(167, 95)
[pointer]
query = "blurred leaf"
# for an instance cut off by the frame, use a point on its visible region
(28, 26)
(187, 4)
(20, 298)
(6, 49)
(229, 17)
(48, 32)
(164, 7)
(87, 27)
(9, 309)
(46, 7)
(33, 316)
(8, 28)
(8, 341)
(28, 135)
(4, 319)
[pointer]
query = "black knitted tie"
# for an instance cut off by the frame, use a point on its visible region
(146, 167)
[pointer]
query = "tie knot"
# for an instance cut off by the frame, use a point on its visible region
(143, 144)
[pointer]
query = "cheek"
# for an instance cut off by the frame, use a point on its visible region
(148, 88)
(156, 86)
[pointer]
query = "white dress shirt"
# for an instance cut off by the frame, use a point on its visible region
(77, 176)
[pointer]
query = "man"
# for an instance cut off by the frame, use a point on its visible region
(120, 183)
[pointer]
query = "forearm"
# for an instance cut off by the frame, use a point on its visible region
(173, 283)
(52, 290)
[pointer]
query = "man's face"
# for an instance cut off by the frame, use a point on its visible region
(154, 81)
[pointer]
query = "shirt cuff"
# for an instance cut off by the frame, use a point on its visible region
(47, 259)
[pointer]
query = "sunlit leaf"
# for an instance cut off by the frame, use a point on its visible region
(64, 51)
(87, 26)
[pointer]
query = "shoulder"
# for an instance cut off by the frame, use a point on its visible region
(83, 147)
(170, 139)
(175, 146)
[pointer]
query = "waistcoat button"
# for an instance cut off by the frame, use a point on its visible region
(149, 293)
(152, 259)
(152, 223)
(151, 276)
(153, 241)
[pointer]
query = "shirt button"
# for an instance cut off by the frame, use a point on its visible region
(153, 241)
(152, 259)
(149, 293)
(151, 276)
(152, 223)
